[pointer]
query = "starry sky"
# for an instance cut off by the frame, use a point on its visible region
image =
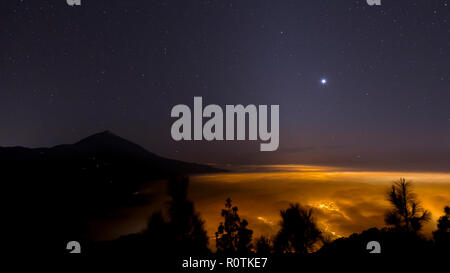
(68, 72)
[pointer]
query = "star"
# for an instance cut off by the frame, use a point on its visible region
(323, 81)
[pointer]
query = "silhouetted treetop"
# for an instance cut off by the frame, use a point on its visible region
(233, 235)
(406, 213)
(263, 246)
(442, 234)
(299, 232)
(183, 229)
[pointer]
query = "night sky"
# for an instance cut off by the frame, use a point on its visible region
(69, 72)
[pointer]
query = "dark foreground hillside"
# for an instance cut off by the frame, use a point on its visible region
(51, 192)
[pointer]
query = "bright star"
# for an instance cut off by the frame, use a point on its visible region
(323, 81)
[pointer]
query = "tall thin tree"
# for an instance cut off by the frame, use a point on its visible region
(406, 214)
(233, 234)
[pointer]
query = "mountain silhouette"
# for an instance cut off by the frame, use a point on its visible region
(56, 190)
(103, 164)
(104, 155)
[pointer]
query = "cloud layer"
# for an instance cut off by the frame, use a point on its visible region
(344, 201)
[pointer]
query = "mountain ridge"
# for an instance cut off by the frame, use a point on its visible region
(104, 142)
(54, 192)
(100, 171)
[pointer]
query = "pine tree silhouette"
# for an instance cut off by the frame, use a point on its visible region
(182, 230)
(442, 234)
(299, 232)
(232, 235)
(263, 246)
(407, 213)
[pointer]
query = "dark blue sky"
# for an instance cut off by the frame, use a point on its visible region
(68, 72)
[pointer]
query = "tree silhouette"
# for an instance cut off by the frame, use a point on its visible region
(442, 234)
(406, 214)
(263, 246)
(183, 230)
(299, 233)
(232, 235)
